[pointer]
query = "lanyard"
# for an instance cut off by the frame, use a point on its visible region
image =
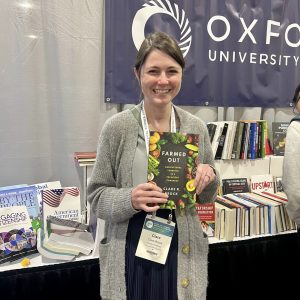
(146, 126)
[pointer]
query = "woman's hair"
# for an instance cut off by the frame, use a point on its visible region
(158, 41)
(296, 95)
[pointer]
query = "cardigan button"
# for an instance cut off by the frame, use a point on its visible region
(186, 249)
(185, 282)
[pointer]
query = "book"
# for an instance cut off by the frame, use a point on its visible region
(211, 127)
(279, 130)
(23, 195)
(48, 252)
(172, 166)
(278, 187)
(62, 203)
(70, 233)
(45, 185)
(229, 222)
(262, 182)
(85, 155)
(17, 237)
(222, 140)
(206, 214)
(234, 185)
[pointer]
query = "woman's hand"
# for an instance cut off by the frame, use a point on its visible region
(204, 176)
(147, 197)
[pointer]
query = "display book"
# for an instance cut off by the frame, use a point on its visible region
(62, 236)
(172, 165)
(279, 130)
(254, 213)
(20, 220)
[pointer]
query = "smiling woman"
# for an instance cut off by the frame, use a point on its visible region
(121, 194)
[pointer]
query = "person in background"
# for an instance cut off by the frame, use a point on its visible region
(120, 194)
(291, 163)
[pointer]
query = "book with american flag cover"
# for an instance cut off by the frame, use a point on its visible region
(63, 203)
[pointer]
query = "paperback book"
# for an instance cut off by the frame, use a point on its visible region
(172, 165)
(23, 195)
(17, 238)
(206, 214)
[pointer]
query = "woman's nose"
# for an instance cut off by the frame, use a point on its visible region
(163, 79)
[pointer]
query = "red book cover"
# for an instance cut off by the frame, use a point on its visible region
(206, 214)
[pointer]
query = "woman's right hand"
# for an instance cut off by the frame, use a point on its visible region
(147, 197)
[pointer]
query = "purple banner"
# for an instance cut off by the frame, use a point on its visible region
(238, 53)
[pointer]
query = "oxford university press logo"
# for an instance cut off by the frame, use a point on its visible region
(162, 7)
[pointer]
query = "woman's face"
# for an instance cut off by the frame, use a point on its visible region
(160, 78)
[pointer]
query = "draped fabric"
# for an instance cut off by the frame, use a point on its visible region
(258, 268)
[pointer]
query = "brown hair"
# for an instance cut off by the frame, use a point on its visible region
(296, 95)
(160, 41)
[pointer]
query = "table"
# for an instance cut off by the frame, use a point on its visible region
(257, 268)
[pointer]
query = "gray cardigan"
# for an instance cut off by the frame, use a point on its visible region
(109, 192)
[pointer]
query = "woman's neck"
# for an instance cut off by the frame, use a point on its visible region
(159, 119)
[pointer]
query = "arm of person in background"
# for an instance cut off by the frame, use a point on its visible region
(291, 171)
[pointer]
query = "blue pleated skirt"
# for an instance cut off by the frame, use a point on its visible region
(147, 280)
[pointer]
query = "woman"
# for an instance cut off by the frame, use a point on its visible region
(291, 163)
(119, 193)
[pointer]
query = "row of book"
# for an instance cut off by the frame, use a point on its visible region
(246, 214)
(25, 227)
(257, 183)
(246, 139)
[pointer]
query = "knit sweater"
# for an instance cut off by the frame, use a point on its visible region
(291, 171)
(109, 192)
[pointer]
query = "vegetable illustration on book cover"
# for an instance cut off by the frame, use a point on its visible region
(172, 166)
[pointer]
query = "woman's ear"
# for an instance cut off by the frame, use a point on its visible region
(136, 74)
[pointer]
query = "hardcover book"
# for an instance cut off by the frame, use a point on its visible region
(172, 166)
(17, 238)
(206, 214)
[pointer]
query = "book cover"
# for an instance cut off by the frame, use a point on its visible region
(206, 214)
(17, 238)
(45, 185)
(24, 195)
(262, 182)
(63, 203)
(279, 134)
(235, 185)
(172, 166)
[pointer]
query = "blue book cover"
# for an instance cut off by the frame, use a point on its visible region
(26, 195)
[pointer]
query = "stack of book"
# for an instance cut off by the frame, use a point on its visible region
(85, 158)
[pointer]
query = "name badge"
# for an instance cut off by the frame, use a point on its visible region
(155, 239)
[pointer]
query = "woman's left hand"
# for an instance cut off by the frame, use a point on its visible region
(204, 176)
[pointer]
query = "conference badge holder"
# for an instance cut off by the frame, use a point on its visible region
(155, 239)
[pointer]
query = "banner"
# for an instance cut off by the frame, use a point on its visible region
(238, 53)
